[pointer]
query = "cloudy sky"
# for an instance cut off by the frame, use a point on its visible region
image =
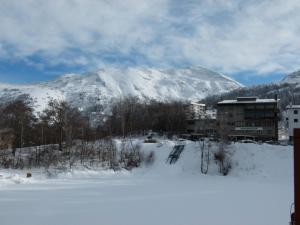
(253, 41)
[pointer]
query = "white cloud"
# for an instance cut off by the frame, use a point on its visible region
(230, 36)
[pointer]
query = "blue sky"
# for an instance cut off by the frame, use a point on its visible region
(253, 41)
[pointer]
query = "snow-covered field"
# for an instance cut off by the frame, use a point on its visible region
(259, 190)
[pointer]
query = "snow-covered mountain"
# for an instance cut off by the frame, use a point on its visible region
(85, 90)
(292, 78)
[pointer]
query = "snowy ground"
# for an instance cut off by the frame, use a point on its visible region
(259, 190)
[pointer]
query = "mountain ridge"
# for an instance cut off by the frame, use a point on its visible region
(100, 87)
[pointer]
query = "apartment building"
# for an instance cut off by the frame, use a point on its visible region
(248, 117)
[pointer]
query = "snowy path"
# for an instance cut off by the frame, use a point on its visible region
(146, 200)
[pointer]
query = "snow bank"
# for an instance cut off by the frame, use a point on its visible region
(248, 160)
(265, 161)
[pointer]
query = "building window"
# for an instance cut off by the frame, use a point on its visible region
(295, 111)
(191, 122)
(295, 120)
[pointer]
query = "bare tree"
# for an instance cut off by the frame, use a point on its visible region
(223, 158)
(132, 116)
(19, 118)
(66, 122)
(205, 147)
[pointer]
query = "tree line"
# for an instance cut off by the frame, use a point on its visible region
(287, 93)
(132, 116)
(60, 123)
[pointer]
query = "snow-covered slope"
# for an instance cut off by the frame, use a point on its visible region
(40, 94)
(88, 89)
(292, 78)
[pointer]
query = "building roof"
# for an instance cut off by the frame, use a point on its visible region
(197, 103)
(293, 107)
(244, 101)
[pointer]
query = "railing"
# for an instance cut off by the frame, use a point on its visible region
(297, 176)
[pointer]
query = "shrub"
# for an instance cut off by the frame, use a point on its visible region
(223, 158)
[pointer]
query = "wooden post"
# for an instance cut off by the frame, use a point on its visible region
(297, 175)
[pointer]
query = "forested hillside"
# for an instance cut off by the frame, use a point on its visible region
(287, 93)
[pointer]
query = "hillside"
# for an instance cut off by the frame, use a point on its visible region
(288, 91)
